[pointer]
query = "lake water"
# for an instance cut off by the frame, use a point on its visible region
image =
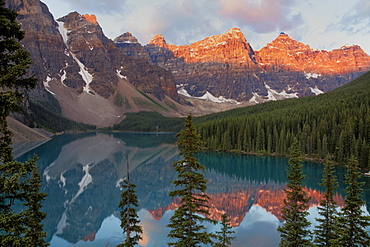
(82, 173)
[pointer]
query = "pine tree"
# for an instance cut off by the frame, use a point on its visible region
(18, 182)
(294, 231)
(187, 220)
(129, 217)
(34, 234)
(352, 222)
(326, 231)
(12, 184)
(223, 236)
(14, 62)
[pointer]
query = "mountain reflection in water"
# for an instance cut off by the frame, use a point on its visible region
(82, 175)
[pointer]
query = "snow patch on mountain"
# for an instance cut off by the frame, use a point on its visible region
(316, 90)
(274, 95)
(63, 32)
(207, 96)
(119, 74)
(47, 86)
(86, 76)
(254, 98)
(311, 75)
(63, 77)
(183, 91)
(221, 99)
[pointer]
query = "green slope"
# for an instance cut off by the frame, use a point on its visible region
(336, 124)
(149, 121)
(48, 115)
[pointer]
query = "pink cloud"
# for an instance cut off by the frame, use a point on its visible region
(261, 16)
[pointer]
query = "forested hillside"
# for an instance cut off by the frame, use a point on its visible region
(336, 124)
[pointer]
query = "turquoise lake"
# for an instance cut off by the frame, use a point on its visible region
(82, 174)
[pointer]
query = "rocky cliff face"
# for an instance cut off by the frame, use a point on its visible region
(42, 40)
(84, 70)
(230, 47)
(227, 66)
(287, 54)
(104, 61)
(131, 46)
(89, 48)
(221, 65)
(96, 80)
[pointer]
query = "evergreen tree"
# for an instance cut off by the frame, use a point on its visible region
(14, 62)
(223, 237)
(352, 222)
(129, 217)
(294, 231)
(187, 220)
(34, 234)
(13, 182)
(326, 231)
(19, 182)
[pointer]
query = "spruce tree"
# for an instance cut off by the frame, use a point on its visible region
(352, 221)
(187, 221)
(14, 62)
(19, 183)
(129, 217)
(223, 237)
(294, 231)
(326, 230)
(34, 234)
(13, 183)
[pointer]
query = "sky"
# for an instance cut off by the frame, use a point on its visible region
(321, 24)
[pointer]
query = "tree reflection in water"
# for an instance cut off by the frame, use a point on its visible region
(82, 173)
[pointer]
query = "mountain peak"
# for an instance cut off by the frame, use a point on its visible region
(285, 43)
(234, 34)
(126, 38)
(289, 54)
(230, 47)
(90, 18)
(234, 30)
(283, 34)
(158, 40)
(284, 37)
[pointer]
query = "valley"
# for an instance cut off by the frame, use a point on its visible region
(96, 80)
(114, 107)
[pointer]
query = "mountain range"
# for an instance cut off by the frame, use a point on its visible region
(95, 80)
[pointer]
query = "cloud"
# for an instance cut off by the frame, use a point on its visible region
(357, 19)
(97, 6)
(260, 234)
(179, 21)
(186, 21)
(262, 16)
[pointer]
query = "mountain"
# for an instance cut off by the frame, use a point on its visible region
(284, 53)
(92, 81)
(226, 66)
(86, 77)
